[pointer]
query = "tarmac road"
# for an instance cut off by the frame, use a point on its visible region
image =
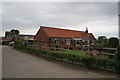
(17, 64)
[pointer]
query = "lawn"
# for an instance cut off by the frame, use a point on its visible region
(75, 52)
(80, 53)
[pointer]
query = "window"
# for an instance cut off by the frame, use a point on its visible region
(77, 42)
(86, 43)
(56, 42)
(83, 44)
(92, 42)
(67, 42)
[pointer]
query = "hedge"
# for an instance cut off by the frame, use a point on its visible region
(5, 42)
(118, 61)
(86, 61)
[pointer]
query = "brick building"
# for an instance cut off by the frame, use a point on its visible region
(9, 35)
(52, 38)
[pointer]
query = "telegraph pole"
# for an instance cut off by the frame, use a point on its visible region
(118, 49)
(119, 29)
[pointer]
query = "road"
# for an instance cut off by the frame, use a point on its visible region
(17, 64)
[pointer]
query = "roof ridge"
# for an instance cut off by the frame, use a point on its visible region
(26, 34)
(60, 28)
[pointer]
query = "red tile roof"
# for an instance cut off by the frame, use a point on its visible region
(57, 32)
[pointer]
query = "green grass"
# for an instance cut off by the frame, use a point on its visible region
(79, 53)
(75, 52)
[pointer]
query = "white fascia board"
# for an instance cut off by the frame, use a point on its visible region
(77, 38)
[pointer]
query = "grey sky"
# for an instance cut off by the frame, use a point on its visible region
(101, 18)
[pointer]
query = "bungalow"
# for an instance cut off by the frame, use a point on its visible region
(26, 37)
(52, 38)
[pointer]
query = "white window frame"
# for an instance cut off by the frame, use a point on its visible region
(92, 42)
(77, 41)
(57, 42)
(83, 41)
(88, 42)
(68, 42)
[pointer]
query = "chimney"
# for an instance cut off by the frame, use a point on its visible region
(86, 30)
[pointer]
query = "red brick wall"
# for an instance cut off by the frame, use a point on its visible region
(41, 38)
(92, 38)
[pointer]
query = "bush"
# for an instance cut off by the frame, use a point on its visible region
(110, 51)
(118, 61)
(19, 42)
(113, 42)
(5, 42)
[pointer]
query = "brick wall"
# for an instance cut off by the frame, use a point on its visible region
(40, 38)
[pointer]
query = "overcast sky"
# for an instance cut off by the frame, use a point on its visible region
(101, 18)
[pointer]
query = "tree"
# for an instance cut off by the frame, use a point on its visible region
(118, 60)
(102, 40)
(15, 31)
(113, 42)
(15, 34)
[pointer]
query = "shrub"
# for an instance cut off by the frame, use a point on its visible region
(5, 42)
(118, 61)
(113, 42)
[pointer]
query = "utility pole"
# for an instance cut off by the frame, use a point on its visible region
(118, 50)
(119, 29)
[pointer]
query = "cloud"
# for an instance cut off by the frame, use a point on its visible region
(99, 17)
